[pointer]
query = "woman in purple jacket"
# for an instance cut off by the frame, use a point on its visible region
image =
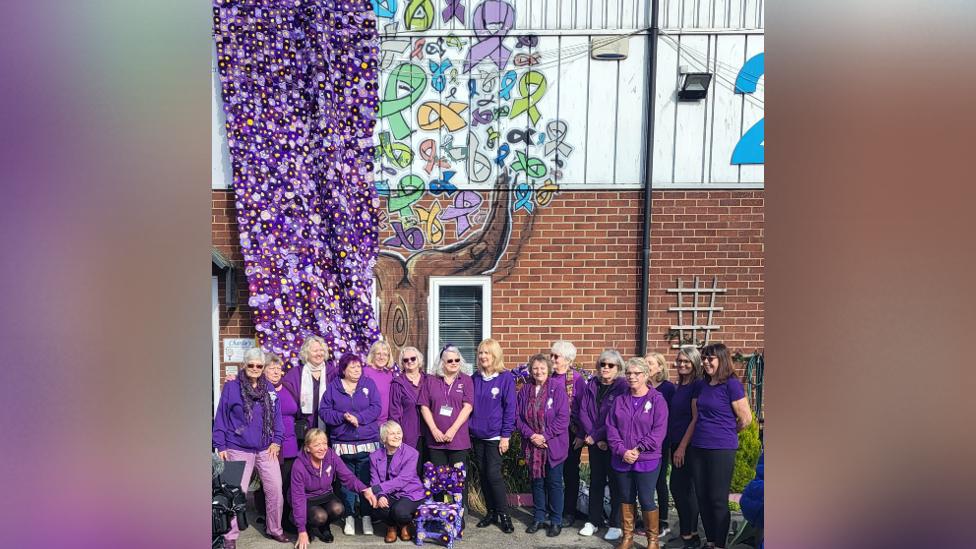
(396, 484)
(247, 427)
(636, 427)
(660, 383)
(681, 425)
(563, 354)
(543, 420)
(308, 383)
(403, 400)
(289, 446)
(723, 411)
(492, 423)
(589, 413)
(350, 409)
(315, 505)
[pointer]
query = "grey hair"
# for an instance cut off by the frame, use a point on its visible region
(255, 354)
(564, 349)
(416, 351)
(465, 367)
(303, 353)
(611, 355)
(694, 355)
(385, 429)
(639, 363)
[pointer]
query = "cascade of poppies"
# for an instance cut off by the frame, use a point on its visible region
(299, 85)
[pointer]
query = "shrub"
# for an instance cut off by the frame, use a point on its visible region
(514, 470)
(746, 457)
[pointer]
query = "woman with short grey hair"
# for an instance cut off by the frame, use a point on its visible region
(396, 485)
(563, 354)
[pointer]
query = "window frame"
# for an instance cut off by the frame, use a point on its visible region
(433, 307)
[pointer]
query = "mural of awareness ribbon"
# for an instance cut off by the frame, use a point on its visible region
(457, 109)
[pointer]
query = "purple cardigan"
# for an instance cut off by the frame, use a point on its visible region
(556, 418)
(591, 418)
(403, 481)
(364, 403)
(232, 430)
(403, 407)
(637, 422)
(307, 482)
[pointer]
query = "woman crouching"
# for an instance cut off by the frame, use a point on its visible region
(396, 485)
(314, 505)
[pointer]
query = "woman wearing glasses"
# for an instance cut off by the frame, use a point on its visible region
(492, 423)
(562, 354)
(247, 427)
(681, 425)
(636, 427)
(403, 399)
(722, 409)
(589, 414)
(446, 400)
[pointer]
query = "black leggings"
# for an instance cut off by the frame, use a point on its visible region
(322, 511)
(450, 457)
(571, 480)
(685, 500)
(712, 470)
(662, 482)
(399, 513)
(600, 475)
(489, 463)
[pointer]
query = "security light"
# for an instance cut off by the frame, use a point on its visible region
(694, 86)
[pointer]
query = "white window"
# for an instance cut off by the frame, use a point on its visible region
(459, 312)
(375, 296)
(215, 339)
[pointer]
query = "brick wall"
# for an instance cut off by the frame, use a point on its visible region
(575, 273)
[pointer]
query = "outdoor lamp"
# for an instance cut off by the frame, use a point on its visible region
(694, 86)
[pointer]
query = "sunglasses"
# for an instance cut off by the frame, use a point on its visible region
(709, 357)
(607, 365)
(255, 366)
(452, 360)
(553, 356)
(407, 359)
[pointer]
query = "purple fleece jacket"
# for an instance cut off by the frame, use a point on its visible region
(590, 417)
(403, 481)
(556, 419)
(307, 482)
(232, 430)
(403, 407)
(637, 422)
(494, 406)
(364, 403)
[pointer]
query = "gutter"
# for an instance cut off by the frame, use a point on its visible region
(649, 171)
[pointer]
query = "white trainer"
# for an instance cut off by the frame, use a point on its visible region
(367, 526)
(587, 529)
(350, 528)
(613, 534)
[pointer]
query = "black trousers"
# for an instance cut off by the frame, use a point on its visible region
(399, 513)
(450, 457)
(423, 457)
(600, 476)
(683, 490)
(489, 463)
(662, 482)
(571, 480)
(712, 471)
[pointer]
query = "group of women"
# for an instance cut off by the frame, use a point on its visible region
(371, 426)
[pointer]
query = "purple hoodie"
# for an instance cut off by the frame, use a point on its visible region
(637, 422)
(383, 379)
(556, 418)
(577, 384)
(307, 482)
(364, 403)
(231, 430)
(403, 481)
(403, 407)
(589, 417)
(494, 406)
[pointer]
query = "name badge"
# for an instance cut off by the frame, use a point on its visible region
(446, 410)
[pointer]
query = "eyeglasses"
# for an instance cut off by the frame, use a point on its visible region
(633, 374)
(682, 361)
(709, 358)
(407, 359)
(255, 366)
(452, 360)
(607, 365)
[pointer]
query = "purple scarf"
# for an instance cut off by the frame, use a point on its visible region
(250, 395)
(536, 419)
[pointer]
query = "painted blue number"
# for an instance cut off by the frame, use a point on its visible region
(750, 148)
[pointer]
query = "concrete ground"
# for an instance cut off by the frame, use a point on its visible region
(253, 537)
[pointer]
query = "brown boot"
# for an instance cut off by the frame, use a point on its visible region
(652, 525)
(405, 532)
(627, 518)
(391, 534)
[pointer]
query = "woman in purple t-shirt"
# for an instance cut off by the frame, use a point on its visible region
(722, 411)
(681, 425)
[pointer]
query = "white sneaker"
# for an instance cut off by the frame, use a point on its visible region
(350, 528)
(587, 529)
(664, 532)
(613, 534)
(367, 526)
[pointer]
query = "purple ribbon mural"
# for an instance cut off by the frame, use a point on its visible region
(491, 12)
(299, 86)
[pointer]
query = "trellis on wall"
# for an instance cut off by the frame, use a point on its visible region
(702, 307)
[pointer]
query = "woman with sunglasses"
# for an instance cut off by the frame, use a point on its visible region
(247, 427)
(562, 354)
(403, 399)
(446, 400)
(636, 427)
(722, 411)
(681, 426)
(589, 413)
(492, 424)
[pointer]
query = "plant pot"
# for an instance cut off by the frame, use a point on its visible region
(520, 500)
